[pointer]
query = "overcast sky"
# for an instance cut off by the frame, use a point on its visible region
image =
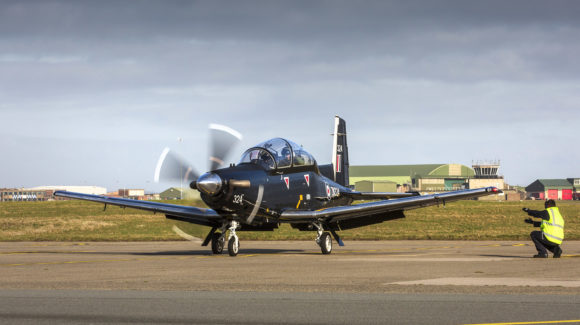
(91, 92)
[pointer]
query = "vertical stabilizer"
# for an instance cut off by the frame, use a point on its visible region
(340, 152)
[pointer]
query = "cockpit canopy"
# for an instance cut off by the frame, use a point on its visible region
(277, 153)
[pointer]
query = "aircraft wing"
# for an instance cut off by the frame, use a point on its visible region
(383, 209)
(378, 195)
(173, 211)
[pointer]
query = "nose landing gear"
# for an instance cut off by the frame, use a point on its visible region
(233, 241)
(218, 239)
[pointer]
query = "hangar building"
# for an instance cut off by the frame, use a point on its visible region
(45, 193)
(555, 189)
(176, 193)
(425, 178)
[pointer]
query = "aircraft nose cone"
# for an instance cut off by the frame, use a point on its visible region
(209, 183)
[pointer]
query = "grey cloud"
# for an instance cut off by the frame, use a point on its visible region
(405, 75)
(160, 43)
(270, 19)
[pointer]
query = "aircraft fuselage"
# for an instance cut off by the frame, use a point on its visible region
(299, 188)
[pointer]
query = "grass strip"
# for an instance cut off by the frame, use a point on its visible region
(86, 221)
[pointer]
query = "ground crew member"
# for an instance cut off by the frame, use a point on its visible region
(552, 230)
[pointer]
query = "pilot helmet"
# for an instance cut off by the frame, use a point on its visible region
(285, 152)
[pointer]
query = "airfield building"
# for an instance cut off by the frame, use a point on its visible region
(428, 178)
(422, 178)
(96, 190)
(555, 189)
(45, 193)
(176, 193)
(576, 183)
(137, 194)
(19, 194)
(486, 174)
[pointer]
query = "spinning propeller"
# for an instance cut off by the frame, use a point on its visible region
(172, 167)
(222, 141)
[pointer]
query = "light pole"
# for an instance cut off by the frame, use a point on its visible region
(180, 140)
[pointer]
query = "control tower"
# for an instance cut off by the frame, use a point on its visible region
(486, 174)
(486, 169)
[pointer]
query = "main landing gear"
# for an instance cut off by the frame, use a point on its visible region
(218, 239)
(323, 238)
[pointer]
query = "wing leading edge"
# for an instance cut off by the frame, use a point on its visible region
(385, 207)
(378, 195)
(344, 216)
(187, 213)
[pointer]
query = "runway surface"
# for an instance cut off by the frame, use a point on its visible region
(400, 282)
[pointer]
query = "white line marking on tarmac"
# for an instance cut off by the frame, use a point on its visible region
(406, 258)
(510, 282)
(539, 322)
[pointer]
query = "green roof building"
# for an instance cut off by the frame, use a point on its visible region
(555, 189)
(375, 186)
(425, 178)
(176, 193)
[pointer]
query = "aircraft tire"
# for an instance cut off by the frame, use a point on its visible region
(326, 243)
(217, 245)
(233, 246)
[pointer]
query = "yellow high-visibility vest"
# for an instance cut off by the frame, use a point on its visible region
(553, 229)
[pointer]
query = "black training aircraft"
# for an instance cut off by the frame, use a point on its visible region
(275, 182)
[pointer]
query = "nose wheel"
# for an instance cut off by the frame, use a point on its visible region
(218, 239)
(233, 241)
(233, 246)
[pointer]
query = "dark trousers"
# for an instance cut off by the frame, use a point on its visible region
(542, 244)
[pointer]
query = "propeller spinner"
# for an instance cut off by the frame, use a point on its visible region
(209, 183)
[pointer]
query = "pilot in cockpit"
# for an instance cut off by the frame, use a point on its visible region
(285, 160)
(266, 160)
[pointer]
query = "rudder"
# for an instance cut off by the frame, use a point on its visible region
(340, 152)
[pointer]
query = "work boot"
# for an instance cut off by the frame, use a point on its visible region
(557, 252)
(541, 256)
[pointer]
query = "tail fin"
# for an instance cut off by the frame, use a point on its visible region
(340, 152)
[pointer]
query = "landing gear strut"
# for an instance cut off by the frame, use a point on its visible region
(218, 239)
(233, 241)
(323, 238)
